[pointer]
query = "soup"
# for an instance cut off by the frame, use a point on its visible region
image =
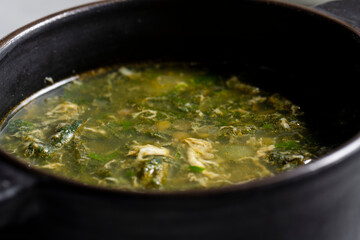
(160, 127)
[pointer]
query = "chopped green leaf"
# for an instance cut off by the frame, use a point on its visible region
(288, 144)
(196, 169)
(154, 172)
(19, 125)
(180, 86)
(65, 133)
(104, 158)
(38, 150)
(126, 125)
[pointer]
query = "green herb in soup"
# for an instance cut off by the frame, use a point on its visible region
(160, 127)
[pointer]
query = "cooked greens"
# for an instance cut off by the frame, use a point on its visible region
(160, 127)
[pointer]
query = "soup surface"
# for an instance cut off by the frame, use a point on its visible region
(160, 127)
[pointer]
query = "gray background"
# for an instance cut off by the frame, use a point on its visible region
(17, 13)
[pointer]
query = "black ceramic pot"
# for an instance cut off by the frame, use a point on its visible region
(305, 55)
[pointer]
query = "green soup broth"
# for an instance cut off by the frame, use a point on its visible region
(160, 127)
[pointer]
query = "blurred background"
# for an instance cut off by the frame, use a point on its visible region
(17, 13)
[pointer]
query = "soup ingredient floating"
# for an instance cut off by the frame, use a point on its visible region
(160, 127)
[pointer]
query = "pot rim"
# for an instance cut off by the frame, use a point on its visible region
(327, 161)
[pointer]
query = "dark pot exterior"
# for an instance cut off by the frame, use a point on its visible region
(316, 201)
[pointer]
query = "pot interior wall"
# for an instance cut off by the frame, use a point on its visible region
(309, 59)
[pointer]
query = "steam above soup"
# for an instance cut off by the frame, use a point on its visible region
(160, 127)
